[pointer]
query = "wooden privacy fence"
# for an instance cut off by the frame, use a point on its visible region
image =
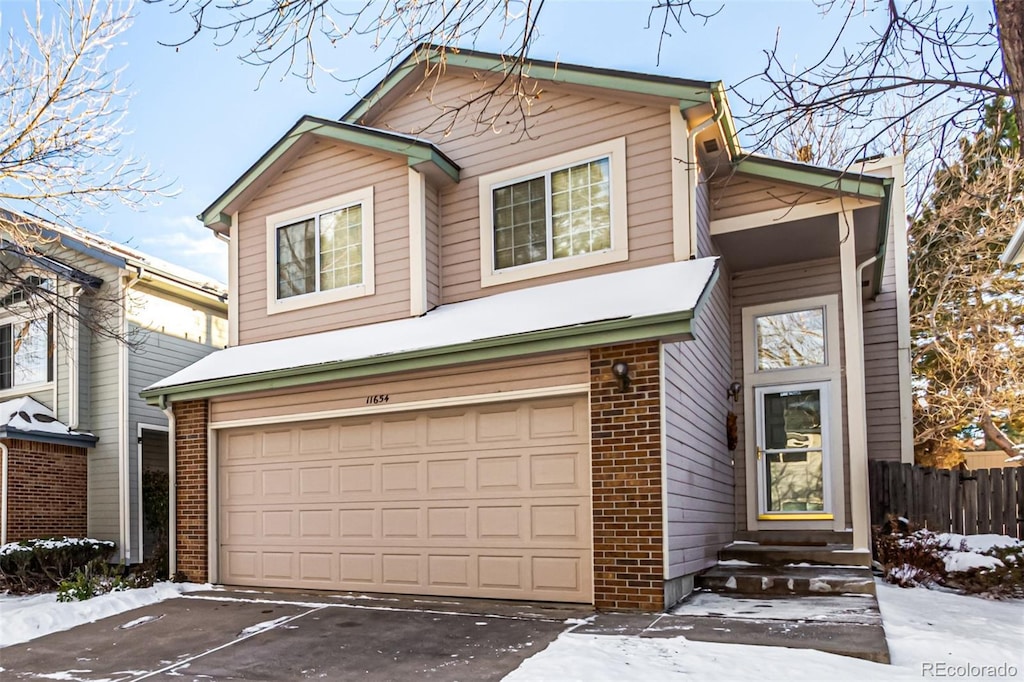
(949, 500)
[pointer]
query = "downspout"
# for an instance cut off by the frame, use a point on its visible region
(122, 419)
(172, 478)
(4, 454)
(73, 375)
(693, 176)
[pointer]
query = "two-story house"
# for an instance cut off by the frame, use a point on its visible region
(86, 324)
(565, 365)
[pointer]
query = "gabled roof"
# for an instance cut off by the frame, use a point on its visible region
(421, 154)
(27, 419)
(1014, 254)
(688, 92)
(107, 251)
(656, 302)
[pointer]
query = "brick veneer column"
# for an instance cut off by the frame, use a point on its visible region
(47, 488)
(625, 432)
(190, 454)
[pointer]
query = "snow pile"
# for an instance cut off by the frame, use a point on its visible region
(977, 543)
(923, 628)
(961, 562)
(984, 564)
(53, 543)
(26, 618)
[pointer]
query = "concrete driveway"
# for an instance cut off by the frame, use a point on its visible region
(289, 635)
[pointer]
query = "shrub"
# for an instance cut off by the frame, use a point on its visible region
(99, 577)
(41, 565)
(931, 559)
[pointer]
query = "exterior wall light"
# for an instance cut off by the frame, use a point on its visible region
(734, 391)
(620, 369)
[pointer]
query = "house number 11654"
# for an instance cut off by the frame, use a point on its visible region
(377, 399)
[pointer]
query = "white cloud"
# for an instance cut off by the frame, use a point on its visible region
(184, 241)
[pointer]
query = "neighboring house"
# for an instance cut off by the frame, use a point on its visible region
(471, 361)
(74, 433)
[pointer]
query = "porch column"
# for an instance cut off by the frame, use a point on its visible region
(856, 410)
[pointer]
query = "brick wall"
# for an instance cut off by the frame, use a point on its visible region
(190, 420)
(626, 476)
(47, 487)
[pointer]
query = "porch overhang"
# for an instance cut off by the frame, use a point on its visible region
(658, 302)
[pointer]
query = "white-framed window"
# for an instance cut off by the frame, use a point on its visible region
(320, 252)
(26, 352)
(557, 214)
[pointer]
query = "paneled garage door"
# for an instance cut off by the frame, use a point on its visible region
(484, 501)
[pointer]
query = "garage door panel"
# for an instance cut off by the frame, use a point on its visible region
(513, 574)
(485, 501)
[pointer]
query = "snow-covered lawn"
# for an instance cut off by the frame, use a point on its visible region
(923, 627)
(25, 618)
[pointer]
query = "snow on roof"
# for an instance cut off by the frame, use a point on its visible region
(28, 416)
(639, 293)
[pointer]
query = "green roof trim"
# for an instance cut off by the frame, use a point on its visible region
(688, 92)
(867, 186)
(883, 235)
(542, 341)
(415, 150)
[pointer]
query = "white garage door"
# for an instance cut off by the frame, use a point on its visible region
(484, 501)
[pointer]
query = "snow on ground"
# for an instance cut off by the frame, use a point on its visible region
(923, 627)
(25, 618)
(977, 543)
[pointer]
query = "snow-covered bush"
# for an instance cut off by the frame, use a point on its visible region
(40, 565)
(991, 565)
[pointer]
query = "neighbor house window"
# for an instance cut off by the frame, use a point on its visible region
(321, 252)
(557, 214)
(26, 352)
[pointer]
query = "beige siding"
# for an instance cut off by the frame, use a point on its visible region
(325, 170)
(771, 285)
(881, 365)
(433, 266)
(738, 194)
(563, 120)
(490, 377)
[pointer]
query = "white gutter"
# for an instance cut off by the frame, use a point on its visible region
(172, 505)
(124, 492)
(693, 177)
(4, 454)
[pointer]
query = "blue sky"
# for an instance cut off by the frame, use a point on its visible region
(201, 117)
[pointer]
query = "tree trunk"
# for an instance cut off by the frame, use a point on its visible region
(1010, 23)
(993, 433)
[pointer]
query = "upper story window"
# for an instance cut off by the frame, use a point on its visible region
(554, 215)
(26, 352)
(320, 253)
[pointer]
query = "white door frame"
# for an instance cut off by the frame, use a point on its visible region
(138, 469)
(827, 512)
(831, 373)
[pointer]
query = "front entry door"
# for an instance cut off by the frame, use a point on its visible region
(793, 452)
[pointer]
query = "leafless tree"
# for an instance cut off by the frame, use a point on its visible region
(62, 111)
(942, 61)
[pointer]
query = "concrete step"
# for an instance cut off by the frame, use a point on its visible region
(780, 555)
(794, 580)
(796, 537)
